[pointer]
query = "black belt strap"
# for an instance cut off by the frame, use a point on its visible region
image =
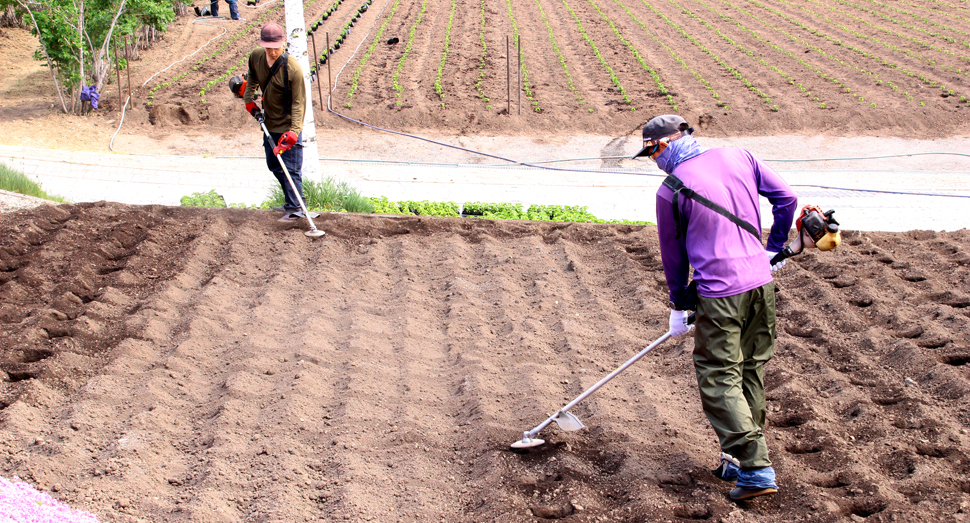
(677, 186)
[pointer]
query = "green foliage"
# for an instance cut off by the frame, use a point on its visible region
(199, 199)
(15, 181)
(58, 23)
(493, 211)
(428, 208)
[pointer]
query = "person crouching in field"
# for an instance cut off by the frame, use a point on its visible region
(280, 78)
(708, 217)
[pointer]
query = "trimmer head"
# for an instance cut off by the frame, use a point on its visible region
(314, 233)
(527, 442)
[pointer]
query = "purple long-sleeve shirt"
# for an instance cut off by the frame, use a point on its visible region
(727, 259)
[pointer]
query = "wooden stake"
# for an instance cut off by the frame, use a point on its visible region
(131, 95)
(121, 100)
(519, 82)
(319, 87)
(329, 78)
(508, 78)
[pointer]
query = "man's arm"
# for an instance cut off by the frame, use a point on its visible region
(673, 252)
(252, 81)
(298, 92)
(784, 203)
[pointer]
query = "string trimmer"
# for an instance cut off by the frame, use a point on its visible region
(313, 232)
(815, 229)
(568, 421)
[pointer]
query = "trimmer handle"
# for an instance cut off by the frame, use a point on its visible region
(691, 318)
(783, 255)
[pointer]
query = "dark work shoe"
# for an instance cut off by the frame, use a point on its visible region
(278, 209)
(198, 12)
(741, 493)
(290, 217)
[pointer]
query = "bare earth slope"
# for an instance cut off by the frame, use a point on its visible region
(179, 364)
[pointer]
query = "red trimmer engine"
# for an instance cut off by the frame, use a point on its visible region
(815, 229)
(237, 84)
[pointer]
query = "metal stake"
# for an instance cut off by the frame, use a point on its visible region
(313, 40)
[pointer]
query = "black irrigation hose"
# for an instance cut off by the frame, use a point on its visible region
(399, 133)
(526, 164)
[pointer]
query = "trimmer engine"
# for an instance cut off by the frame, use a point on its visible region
(237, 84)
(815, 229)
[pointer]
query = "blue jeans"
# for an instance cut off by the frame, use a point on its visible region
(233, 10)
(294, 164)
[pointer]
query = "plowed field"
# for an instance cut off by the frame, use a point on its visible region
(165, 364)
(591, 67)
(178, 364)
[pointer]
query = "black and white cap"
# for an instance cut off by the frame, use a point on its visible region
(661, 126)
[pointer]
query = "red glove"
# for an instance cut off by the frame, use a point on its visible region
(287, 141)
(254, 110)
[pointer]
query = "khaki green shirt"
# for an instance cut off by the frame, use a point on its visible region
(277, 119)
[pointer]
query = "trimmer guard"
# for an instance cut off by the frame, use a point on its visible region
(567, 421)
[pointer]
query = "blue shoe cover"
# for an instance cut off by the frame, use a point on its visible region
(757, 478)
(728, 469)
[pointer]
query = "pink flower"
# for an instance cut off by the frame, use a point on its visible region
(22, 503)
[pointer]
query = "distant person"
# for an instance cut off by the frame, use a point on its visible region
(233, 10)
(280, 78)
(733, 291)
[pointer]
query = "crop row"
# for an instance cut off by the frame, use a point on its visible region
(341, 36)
(661, 88)
(559, 55)
(407, 51)
(870, 55)
(370, 51)
(636, 54)
(444, 54)
(596, 51)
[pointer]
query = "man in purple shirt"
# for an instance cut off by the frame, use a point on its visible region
(708, 218)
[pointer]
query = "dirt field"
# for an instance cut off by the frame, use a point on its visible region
(172, 364)
(176, 364)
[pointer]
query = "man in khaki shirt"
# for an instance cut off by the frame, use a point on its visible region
(280, 78)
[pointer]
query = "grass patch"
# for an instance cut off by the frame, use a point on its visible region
(328, 195)
(15, 181)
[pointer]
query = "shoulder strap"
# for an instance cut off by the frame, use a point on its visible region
(677, 186)
(280, 62)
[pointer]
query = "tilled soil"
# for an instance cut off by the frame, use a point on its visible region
(184, 364)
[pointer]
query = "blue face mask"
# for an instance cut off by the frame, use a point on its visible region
(679, 151)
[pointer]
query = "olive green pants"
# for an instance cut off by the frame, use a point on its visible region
(734, 338)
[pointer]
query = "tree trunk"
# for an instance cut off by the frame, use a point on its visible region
(80, 30)
(102, 67)
(50, 64)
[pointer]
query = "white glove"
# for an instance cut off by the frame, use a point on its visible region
(776, 266)
(678, 323)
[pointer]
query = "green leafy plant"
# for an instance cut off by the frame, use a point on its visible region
(207, 199)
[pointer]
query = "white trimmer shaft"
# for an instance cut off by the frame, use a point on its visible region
(565, 419)
(313, 232)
